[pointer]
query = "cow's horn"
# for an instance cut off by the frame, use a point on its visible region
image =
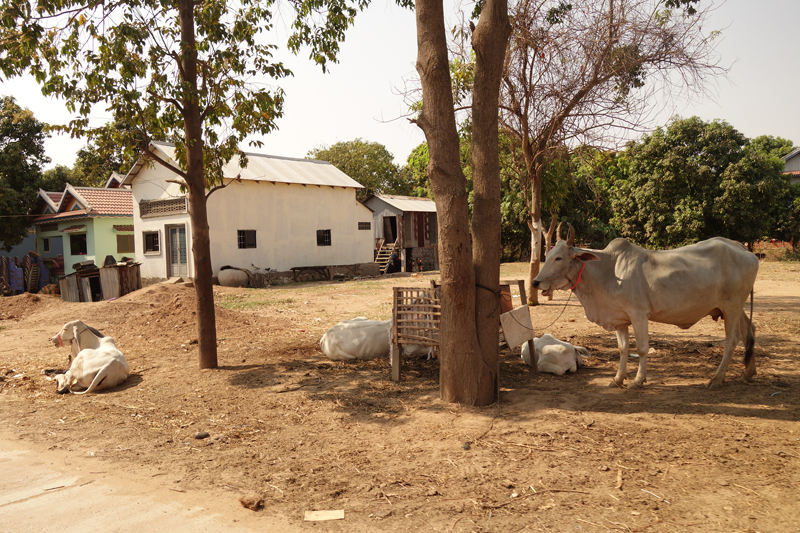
(570, 235)
(558, 231)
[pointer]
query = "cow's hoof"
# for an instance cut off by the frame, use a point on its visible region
(615, 384)
(713, 386)
(635, 385)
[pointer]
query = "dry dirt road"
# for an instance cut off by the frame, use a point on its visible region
(305, 433)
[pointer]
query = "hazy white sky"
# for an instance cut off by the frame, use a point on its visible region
(361, 95)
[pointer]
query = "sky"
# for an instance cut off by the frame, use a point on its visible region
(362, 95)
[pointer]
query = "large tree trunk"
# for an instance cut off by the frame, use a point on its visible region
(195, 180)
(489, 43)
(467, 375)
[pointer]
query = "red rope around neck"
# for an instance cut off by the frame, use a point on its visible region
(579, 277)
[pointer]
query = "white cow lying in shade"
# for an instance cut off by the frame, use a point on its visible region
(97, 364)
(361, 338)
(555, 356)
(357, 338)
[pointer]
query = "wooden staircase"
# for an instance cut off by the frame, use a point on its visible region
(385, 255)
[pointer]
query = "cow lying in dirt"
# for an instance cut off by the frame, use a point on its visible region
(555, 356)
(97, 364)
(361, 338)
(357, 338)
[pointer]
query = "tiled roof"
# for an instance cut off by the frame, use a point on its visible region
(102, 203)
(107, 202)
(74, 229)
(55, 196)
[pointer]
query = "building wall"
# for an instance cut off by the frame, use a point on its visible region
(792, 164)
(151, 184)
(380, 209)
(286, 219)
(101, 240)
(28, 244)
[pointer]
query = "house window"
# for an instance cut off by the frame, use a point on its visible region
(364, 225)
(151, 242)
(125, 244)
(323, 237)
(77, 244)
(246, 238)
(49, 227)
(45, 245)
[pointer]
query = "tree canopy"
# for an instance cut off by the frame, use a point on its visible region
(369, 163)
(695, 180)
(21, 159)
(197, 74)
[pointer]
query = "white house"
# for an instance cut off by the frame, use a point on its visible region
(276, 213)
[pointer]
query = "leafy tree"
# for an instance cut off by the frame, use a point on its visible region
(108, 152)
(369, 163)
(55, 179)
(182, 71)
(696, 180)
(21, 160)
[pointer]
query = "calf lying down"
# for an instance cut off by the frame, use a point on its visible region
(555, 356)
(99, 366)
(361, 338)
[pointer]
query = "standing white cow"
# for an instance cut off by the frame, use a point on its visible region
(97, 364)
(626, 285)
(554, 356)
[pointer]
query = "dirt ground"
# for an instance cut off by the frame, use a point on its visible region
(556, 454)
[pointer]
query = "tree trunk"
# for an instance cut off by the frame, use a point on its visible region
(536, 234)
(195, 180)
(548, 241)
(489, 42)
(466, 374)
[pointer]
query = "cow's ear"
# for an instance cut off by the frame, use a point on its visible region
(585, 255)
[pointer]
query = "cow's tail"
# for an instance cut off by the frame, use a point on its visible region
(750, 342)
(98, 379)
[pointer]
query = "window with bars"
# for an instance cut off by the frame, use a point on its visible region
(364, 225)
(160, 208)
(246, 238)
(323, 237)
(151, 242)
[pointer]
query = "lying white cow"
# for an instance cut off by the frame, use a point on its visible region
(554, 356)
(97, 365)
(79, 335)
(361, 338)
(357, 338)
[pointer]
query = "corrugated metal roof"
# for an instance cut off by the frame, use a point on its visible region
(276, 169)
(409, 203)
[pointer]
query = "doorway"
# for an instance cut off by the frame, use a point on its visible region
(178, 259)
